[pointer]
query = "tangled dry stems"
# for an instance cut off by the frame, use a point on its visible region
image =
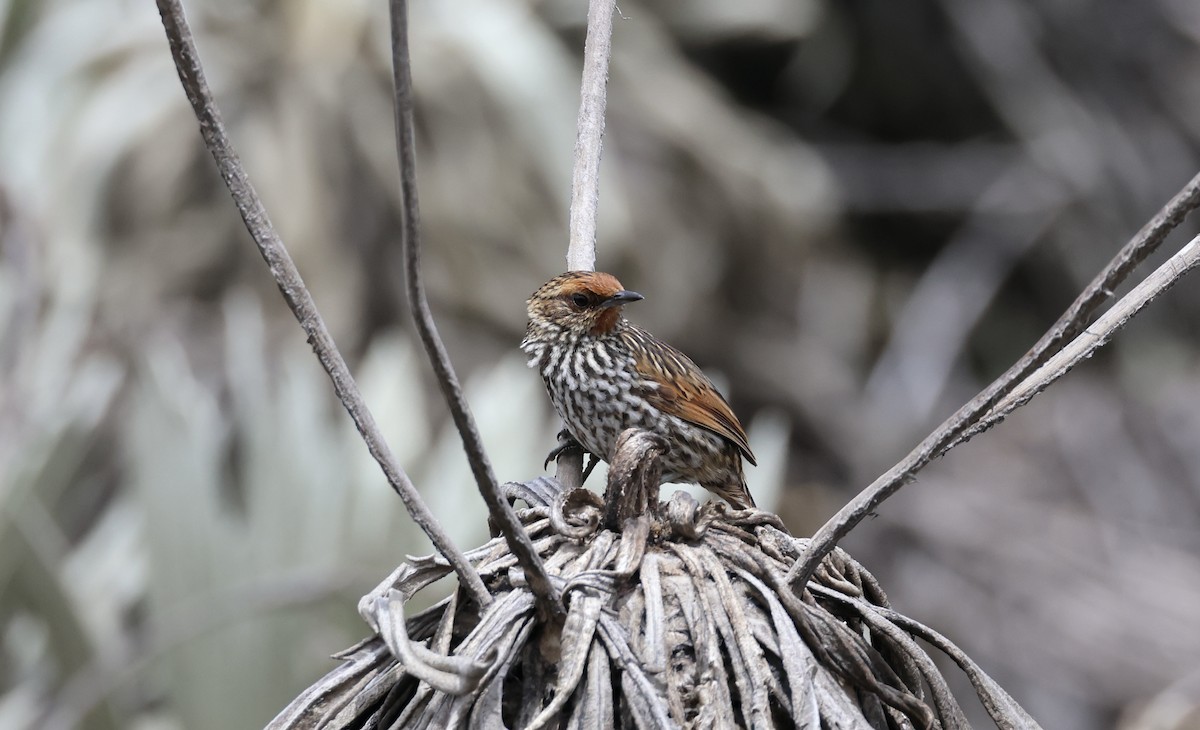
(675, 616)
(681, 617)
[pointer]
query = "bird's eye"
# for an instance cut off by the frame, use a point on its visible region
(580, 300)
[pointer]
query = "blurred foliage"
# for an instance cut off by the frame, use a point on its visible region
(855, 214)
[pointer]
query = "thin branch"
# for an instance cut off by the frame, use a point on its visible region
(585, 175)
(1093, 338)
(503, 514)
(633, 477)
(287, 277)
(585, 179)
(968, 420)
(1144, 243)
(568, 469)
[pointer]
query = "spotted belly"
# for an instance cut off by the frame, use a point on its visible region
(597, 416)
(597, 394)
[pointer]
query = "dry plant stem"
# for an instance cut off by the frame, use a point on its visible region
(678, 621)
(633, 477)
(589, 142)
(1144, 243)
(569, 470)
(518, 541)
(287, 277)
(970, 419)
(1094, 337)
(585, 176)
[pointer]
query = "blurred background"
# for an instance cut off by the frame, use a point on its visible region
(853, 214)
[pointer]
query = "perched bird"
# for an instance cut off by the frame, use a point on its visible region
(605, 374)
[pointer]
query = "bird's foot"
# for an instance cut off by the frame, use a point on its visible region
(566, 444)
(591, 464)
(569, 444)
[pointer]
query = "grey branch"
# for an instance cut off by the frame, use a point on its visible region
(585, 176)
(287, 277)
(633, 477)
(1092, 338)
(974, 418)
(589, 142)
(518, 541)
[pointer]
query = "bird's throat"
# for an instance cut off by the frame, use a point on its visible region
(606, 322)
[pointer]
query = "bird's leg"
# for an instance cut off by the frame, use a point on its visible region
(566, 443)
(592, 461)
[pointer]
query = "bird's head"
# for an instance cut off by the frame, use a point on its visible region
(580, 302)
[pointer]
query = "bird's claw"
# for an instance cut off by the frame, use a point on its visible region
(588, 469)
(566, 444)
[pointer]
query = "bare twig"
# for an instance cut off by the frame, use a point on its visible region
(451, 674)
(291, 285)
(1145, 242)
(633, 477)
(585, 177)
(968, 420)
(518, 541)
(1093, 338)
(569, 469)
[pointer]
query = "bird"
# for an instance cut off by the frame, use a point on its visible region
(605, 374)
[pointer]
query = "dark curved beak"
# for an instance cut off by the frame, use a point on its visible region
(621, 297)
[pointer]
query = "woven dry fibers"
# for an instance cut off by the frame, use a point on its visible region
(679, 618)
